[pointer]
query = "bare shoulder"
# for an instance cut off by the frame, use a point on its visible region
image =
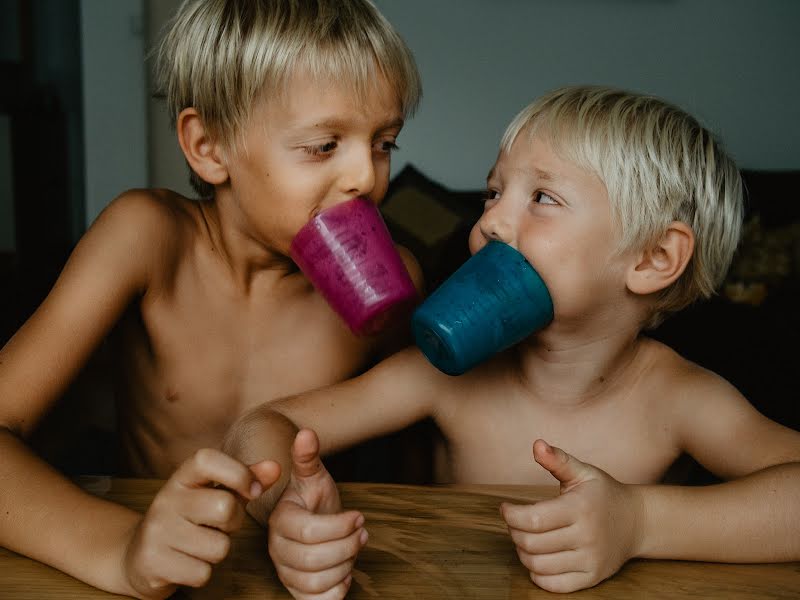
(149, 226)
(146, 215)
(684, 389)
(683, 378)
(713, 421)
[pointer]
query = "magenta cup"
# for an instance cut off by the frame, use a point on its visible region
(347, 253)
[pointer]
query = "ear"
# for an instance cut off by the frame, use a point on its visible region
(660, 265)
(202, 153)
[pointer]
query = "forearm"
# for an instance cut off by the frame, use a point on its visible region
(263, 434)
(752, 519)
(45, 516)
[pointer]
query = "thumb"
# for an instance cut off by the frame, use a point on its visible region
(305, 454)
(564, 467)
(312, 486)
(266, 473)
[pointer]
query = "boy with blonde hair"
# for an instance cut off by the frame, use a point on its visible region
(629, 210)
(282, 108)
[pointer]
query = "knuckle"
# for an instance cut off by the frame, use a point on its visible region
(200, 576)
(225, 507)
(316, 583)
(355, 545)
(528, 545)
(532, 563)
(306, 532)
(220, 549)
(536, 521)
(309, 561)
(547, 584)
(525, 558)
(203, 457)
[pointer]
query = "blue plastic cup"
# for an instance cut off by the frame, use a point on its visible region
(493, 301)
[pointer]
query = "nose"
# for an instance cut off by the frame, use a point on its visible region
(358, 177)
(497, 223)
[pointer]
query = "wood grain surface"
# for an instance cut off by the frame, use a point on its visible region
(425, 542)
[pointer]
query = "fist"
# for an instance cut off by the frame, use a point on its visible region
(187, 526)
(581, 537)
(312, 542)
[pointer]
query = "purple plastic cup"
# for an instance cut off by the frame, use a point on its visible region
(347, 253)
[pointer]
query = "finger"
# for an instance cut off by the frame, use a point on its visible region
(216, 508)
(546, 515)
(186, 570)
(203, 543)
(548, 542)
(317, 582)
(208, 465)
(337, 592)
(564, 582)
(556, 563)
(266, 472)
(291, 521)
(564, 467)
(305, 454)
(317, 557)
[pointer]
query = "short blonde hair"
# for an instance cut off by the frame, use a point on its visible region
(222, 56)
(659, 165)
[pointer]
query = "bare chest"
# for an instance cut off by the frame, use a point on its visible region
(634, 447)
(194, 363)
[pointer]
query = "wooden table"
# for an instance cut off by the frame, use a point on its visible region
(425, 542)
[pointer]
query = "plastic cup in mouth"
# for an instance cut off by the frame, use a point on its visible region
(348, 255)
(493, 301)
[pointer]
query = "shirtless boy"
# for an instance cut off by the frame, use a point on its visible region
(629, 210)
(281, 109)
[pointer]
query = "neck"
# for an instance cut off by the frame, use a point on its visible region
(248, 259)
(565, 371)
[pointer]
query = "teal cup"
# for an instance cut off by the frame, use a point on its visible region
(493, 301)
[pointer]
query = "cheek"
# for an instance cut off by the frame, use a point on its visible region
(476, 239)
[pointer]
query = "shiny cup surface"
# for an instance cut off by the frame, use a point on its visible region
(347, 253)
(493, 301)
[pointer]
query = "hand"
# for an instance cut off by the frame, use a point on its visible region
(186, 529)
(581, 537)
(313, 544)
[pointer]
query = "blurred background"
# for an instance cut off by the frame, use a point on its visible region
(78, 125)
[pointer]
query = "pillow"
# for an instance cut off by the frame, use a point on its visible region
(431, 221)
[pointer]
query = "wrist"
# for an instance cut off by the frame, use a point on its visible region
(119, 560)
(642, 530)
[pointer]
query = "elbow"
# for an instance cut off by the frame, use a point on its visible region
(256, 430)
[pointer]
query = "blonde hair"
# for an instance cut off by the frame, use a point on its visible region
(659, 165)
(222, 56)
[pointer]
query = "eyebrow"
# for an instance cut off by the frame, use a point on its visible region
(540, 173)
(544, 175)
(334, 123)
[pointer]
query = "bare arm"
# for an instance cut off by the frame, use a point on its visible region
(397, 392)
(755, 517)
(42, 514)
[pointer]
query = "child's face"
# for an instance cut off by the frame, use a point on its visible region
(318, 146)
(559, 217)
